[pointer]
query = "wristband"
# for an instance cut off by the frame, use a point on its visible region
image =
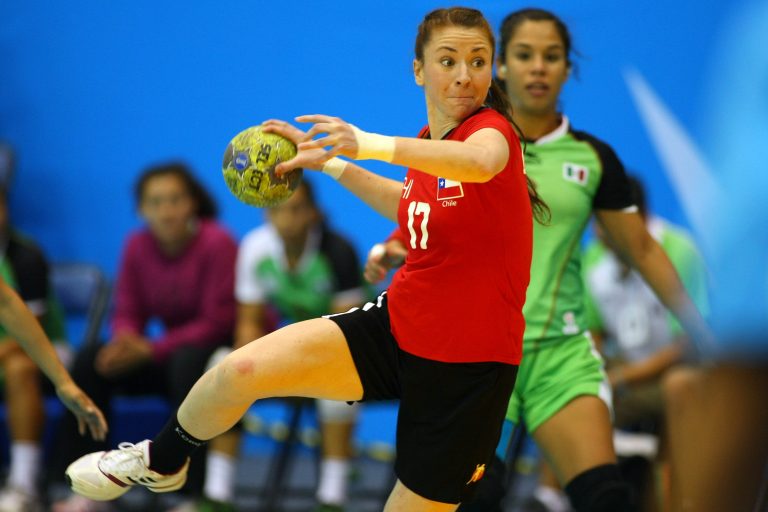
(372, 146)
(334, 167)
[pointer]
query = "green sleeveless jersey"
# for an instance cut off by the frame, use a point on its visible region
(575, 173)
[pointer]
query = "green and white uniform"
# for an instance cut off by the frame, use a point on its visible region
(575, 174)
(622, 305)
(327, 273)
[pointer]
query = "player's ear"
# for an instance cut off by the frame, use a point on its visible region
(501, 70)
(418, 72)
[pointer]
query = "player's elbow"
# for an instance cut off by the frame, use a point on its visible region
(483, 169)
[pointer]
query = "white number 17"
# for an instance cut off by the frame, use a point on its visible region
(418, 208)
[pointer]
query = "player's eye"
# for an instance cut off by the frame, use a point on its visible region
(447, 61)
(478, 63)
(523, 55)
(553, 57)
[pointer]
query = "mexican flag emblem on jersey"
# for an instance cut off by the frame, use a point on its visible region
(575, 173)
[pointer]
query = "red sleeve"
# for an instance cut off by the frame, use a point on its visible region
(215, 322)
(397, 234)
(486, 118)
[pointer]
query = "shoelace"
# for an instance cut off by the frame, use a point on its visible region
(127, 459)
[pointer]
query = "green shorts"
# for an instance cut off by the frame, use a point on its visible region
(554, 372)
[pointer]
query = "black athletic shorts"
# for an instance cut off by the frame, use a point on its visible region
(450, 415)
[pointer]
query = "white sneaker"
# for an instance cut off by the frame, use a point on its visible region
(108, 475)
(16, 500)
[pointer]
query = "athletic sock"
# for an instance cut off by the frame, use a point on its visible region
(220, 477)
(170, 449)
(25, 466)
(334, 475)
(554, 500)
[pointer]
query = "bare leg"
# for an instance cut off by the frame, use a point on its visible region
(309, 359)
(336, 427)
(720, 448)
(549, 491)
(221, 466)
(337, 436)
(227, 443)
(682, 392)
(24, 397)
(547, 477)
(403, 499)
(577, 438)
(26, 416)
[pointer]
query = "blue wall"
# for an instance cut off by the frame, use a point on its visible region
(91, 92)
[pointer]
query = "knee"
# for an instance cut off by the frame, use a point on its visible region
(679, 386)
(232, 377)
(18, 366)
(600, 489)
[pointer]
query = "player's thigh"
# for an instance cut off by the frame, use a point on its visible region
(578, 437)
(566, 400)
(403, 498)
(310, 358)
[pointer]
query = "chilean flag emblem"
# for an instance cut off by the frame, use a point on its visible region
(449, 189)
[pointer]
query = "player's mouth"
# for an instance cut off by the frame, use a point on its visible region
(537, 89)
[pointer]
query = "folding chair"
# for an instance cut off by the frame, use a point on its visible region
(83, 292)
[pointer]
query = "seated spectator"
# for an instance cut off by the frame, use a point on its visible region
(179, 270)
(24, 268)
(290, 269)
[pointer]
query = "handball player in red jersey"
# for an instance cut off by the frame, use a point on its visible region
(445, 339)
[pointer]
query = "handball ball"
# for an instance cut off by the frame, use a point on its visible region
(249, 167)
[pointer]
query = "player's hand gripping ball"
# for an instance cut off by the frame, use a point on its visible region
(249, 167)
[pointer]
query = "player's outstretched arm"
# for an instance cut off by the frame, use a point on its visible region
(476, 160)
(25, 329)
(380, 193)
(631, 238)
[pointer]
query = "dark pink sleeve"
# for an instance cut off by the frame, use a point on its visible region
(129, 316)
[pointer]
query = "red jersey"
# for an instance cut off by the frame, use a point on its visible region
(459, 296)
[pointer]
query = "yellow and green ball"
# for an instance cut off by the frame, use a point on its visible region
(249, 167)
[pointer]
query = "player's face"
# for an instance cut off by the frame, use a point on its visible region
(293, 218)
(535, 67)
(168, 208)
(456, 72)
